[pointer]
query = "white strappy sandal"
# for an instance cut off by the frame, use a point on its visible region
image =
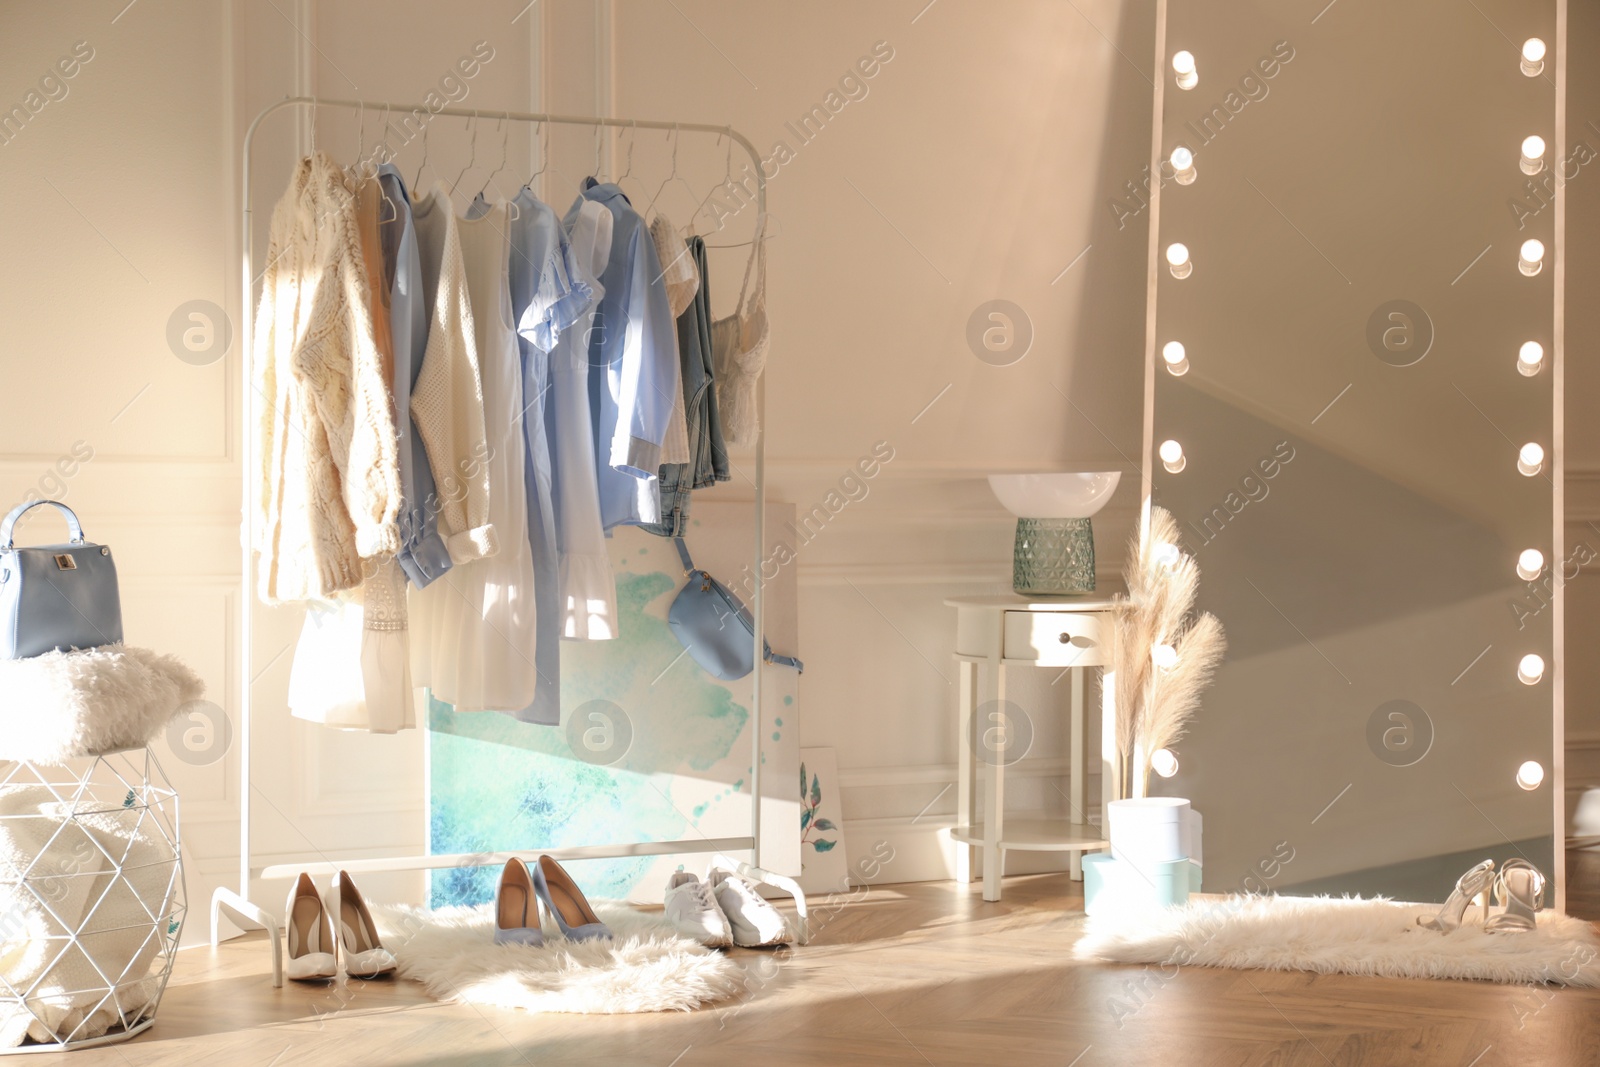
(1520, 888)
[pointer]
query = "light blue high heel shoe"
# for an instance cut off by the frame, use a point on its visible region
(516, 909)
(566, 902)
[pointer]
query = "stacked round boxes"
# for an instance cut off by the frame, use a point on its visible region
(1154, 860)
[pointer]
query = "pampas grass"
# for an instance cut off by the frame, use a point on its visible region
(1154, 704)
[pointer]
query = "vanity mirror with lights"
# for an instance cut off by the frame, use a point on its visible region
(1353, 410)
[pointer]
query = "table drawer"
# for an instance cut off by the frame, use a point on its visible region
(1058, 638)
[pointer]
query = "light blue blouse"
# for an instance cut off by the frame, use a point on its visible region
(547, 295)
(633, 365)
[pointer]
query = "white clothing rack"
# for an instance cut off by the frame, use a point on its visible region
(238, 904)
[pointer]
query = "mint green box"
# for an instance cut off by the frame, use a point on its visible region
(1110, 883)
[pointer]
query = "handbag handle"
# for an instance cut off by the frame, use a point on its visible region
(8, 528)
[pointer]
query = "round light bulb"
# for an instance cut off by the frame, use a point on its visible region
(1182, 161)
(1533, 51)
(1531, 259)
(1168, 554)
(1176, 358)
(1530, 564)
(1530, 358)
(1164, 656)
(1530, 458)
(1172, 457)
(1530, 669)
(1530, 776)
(1163, 762)
(1179, 262)
(1532, 154)
(1183, 67)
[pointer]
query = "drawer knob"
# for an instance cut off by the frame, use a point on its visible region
(1066, 639)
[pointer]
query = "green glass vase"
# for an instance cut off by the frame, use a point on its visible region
(1053, 557)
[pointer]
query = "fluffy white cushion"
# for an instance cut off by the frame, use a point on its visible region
(63, 705)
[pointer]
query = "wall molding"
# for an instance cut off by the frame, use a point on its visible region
(945, 773)
(1582, 743)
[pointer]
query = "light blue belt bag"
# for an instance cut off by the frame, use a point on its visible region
(715, 627)
(56, 597)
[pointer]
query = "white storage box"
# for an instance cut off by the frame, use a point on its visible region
(1150, 830)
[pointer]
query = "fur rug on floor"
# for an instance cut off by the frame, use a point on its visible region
(66, 704)
(649, 967)
(1348, 936)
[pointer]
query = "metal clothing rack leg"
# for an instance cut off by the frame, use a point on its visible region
(226, 901)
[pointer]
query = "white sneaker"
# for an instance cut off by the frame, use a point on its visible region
(755, 923)
(692, 908)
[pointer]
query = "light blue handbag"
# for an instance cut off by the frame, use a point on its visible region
(56, 597)
(715, 627)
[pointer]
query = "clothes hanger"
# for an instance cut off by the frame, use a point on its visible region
(505, 148)
(598, 176)
(769, 234)
(627, 170)
(676, 135)
(416, 183)
(382, 148)
(727, 180)
(361, 139)
(541, 134)
(472, 121)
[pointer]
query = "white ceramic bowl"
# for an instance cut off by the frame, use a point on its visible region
(1077, 495)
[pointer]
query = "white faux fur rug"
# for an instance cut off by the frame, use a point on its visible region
(648, 967)
(1348, 935)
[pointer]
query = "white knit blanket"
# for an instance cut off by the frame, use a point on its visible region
(1348, 936)
(67, 704)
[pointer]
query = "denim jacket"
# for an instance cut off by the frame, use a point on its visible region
(708, 452)
(423, 555)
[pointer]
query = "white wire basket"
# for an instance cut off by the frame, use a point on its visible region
(92, 899)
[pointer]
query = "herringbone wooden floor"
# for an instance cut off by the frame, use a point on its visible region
(924, 974)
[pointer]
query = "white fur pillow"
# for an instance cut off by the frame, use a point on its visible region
(67, 704)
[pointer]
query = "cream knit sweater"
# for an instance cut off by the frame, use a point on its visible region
(329, 459)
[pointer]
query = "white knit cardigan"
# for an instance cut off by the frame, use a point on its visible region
(329, 460)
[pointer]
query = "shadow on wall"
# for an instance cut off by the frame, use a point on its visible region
(1106, 375)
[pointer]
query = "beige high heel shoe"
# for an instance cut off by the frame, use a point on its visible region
(516, 909)
(364, 954)
(310, 935)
